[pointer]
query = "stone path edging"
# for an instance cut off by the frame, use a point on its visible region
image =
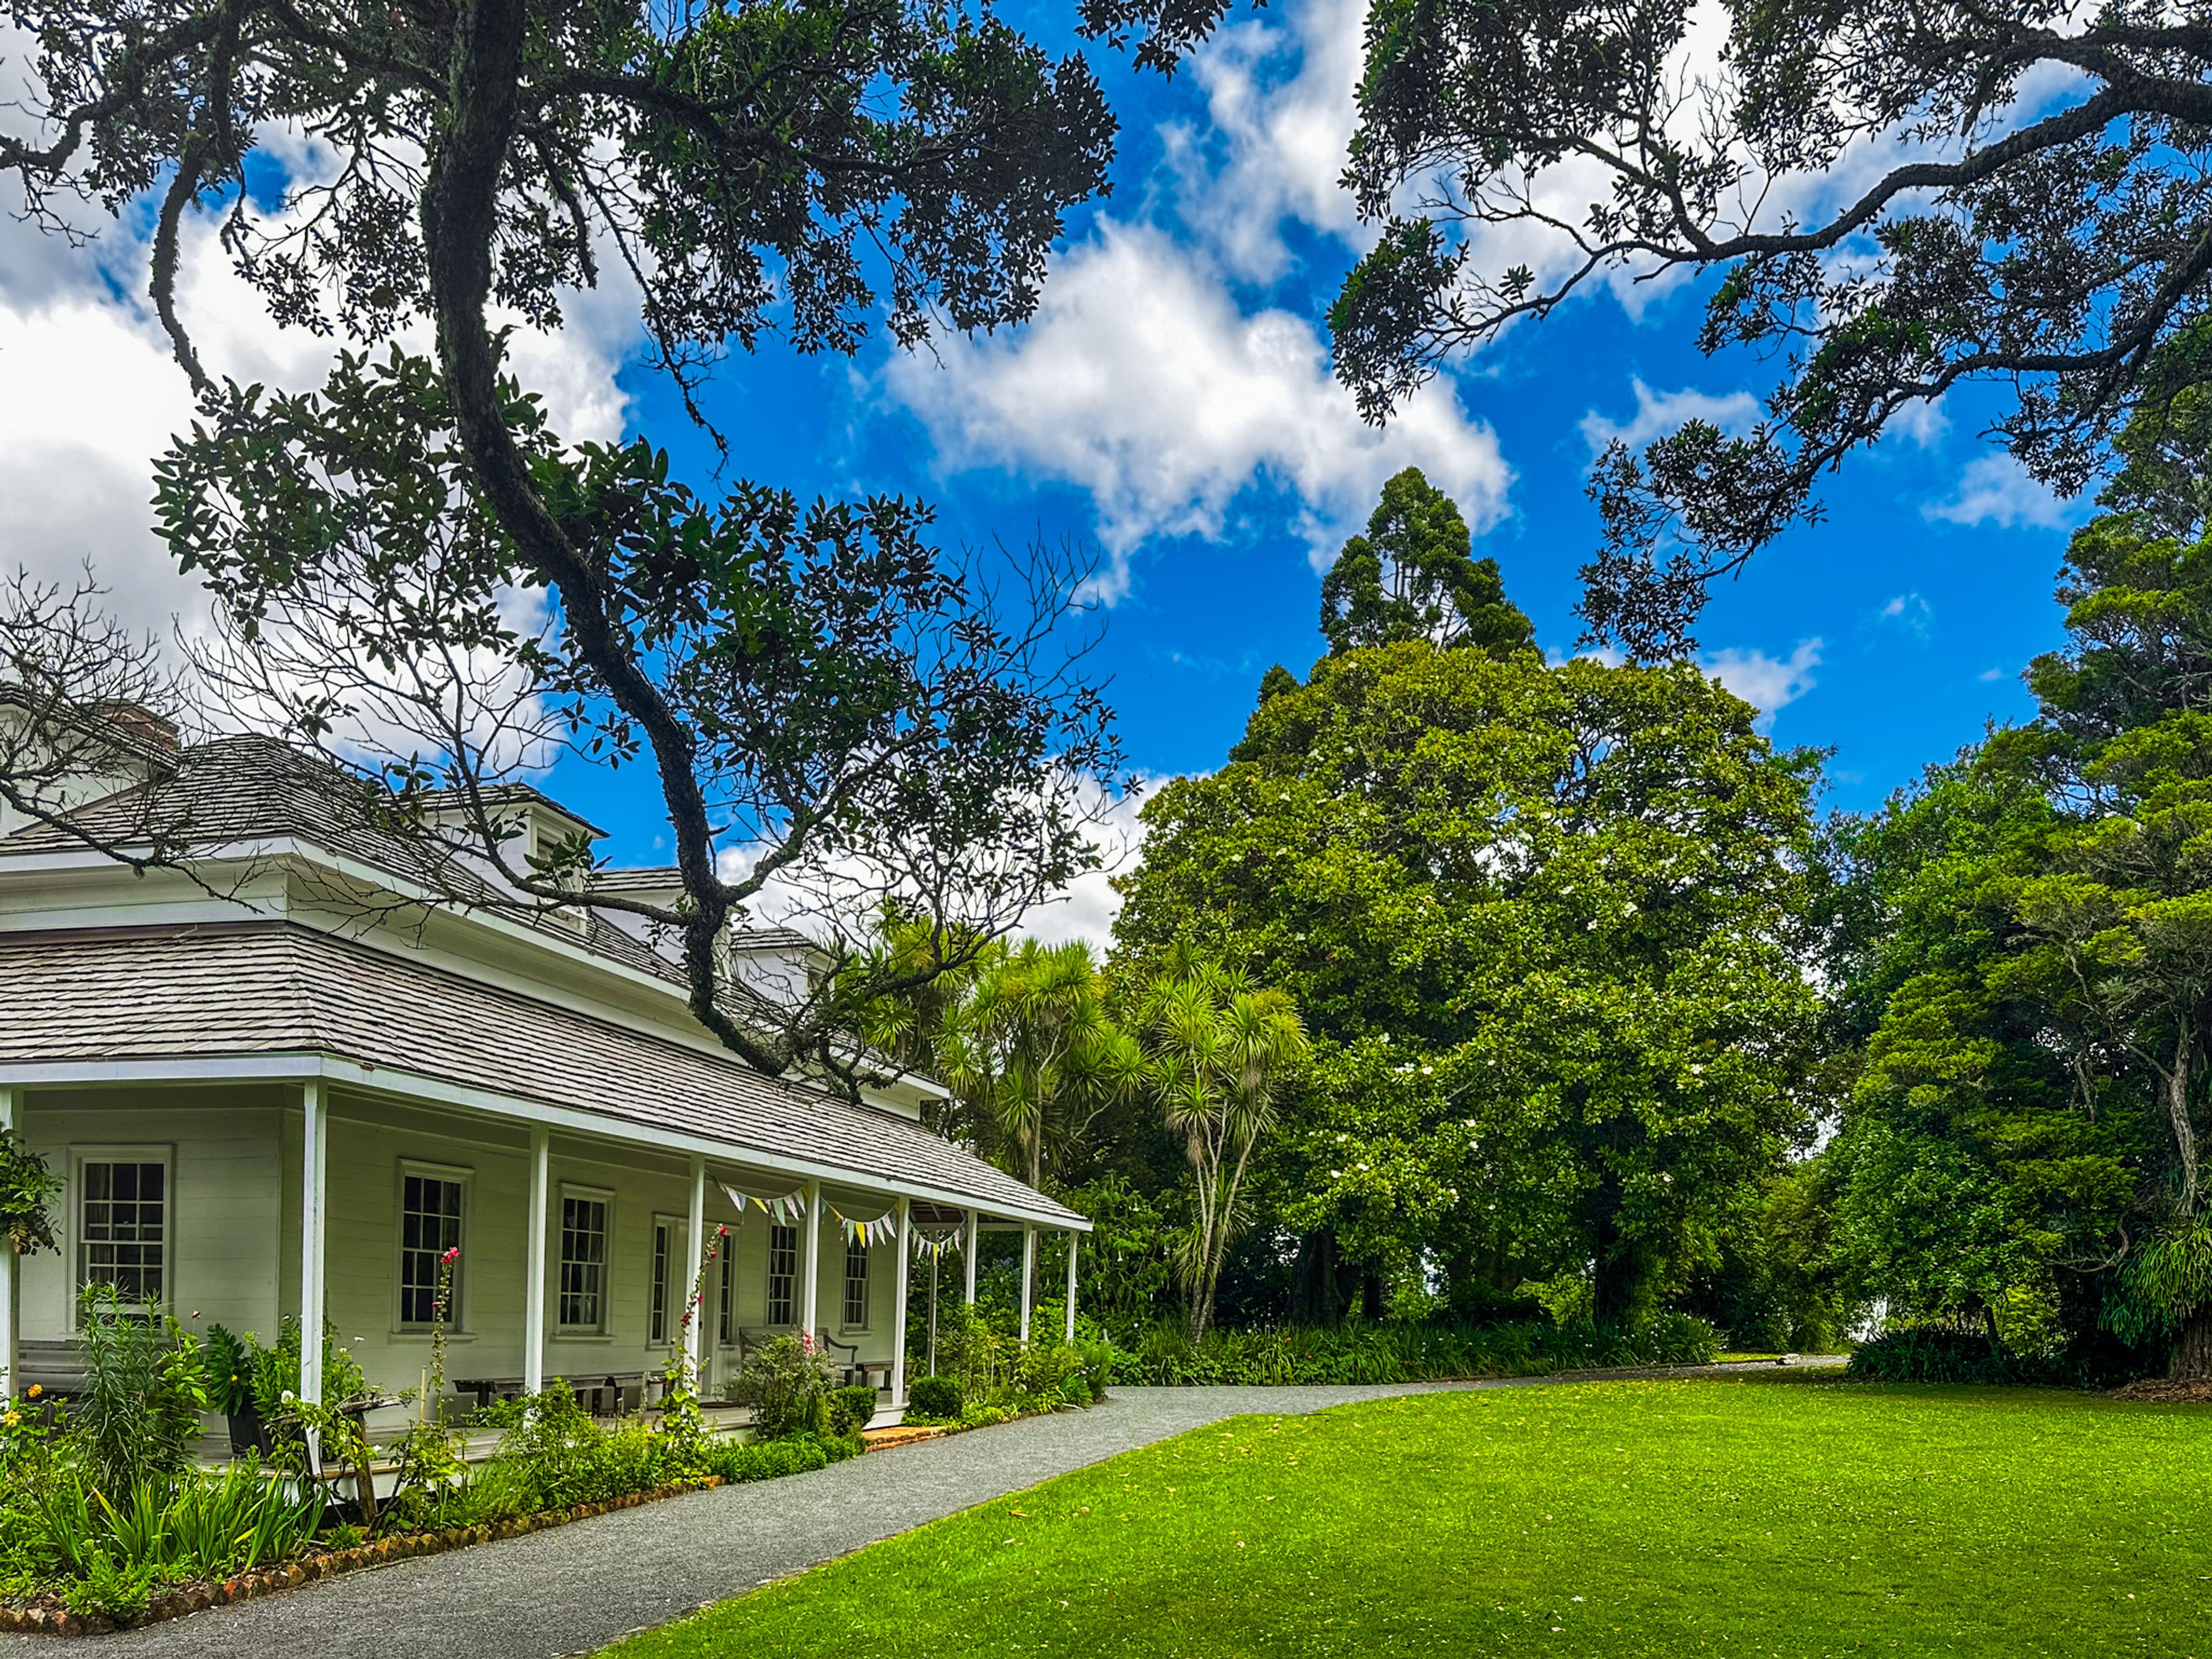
(571, 1589)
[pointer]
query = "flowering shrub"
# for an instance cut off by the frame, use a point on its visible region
(787, 1382)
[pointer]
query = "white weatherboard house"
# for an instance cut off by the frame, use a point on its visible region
(274, 1088)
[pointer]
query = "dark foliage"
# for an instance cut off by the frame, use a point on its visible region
(811, 167)
(1414, 576)
(1944, 1353)
(2050, 245)
(934, 1396)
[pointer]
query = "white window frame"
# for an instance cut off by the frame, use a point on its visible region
(767, 1284)
(466, 1179)
(601, 1195)
(678, 1283)
(845, 1284)
(163, 1153)
(726, 1311)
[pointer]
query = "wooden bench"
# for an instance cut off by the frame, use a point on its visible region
(853, 1369)
(603, 1395)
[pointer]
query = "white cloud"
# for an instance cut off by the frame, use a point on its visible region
(842, 901)
(1276, 143)
(1990, 676)
(95, 394)
(1658, 413)
(1768, 684)
(1141, 382)
(1922, 423)
(1998, 489)
(1090, 904)
(1910, 613)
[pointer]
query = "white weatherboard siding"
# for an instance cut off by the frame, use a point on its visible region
(224, 1239)
(233, 1240)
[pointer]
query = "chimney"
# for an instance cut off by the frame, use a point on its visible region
(143, 724)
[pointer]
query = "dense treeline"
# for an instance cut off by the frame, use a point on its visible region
(1596, 1026)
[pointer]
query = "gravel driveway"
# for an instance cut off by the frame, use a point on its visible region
(571, 1589)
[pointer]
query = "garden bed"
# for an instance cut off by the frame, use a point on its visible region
(49, 1617)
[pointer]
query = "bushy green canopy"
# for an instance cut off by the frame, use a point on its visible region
(1539, 921)
(1414, 576)
(2029, 959)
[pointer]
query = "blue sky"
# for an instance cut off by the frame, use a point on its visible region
(1170, 406)
(1890, 633)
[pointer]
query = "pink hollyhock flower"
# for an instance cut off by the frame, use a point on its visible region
(452, 1255)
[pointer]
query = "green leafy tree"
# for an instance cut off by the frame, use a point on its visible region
(1414, 576)
(2037, 983)
(794, 676)
(1543, 926)
(1878, 197)
(1217, 1050)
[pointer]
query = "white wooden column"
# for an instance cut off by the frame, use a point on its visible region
(810, 1260)
(313, 1157)
(8, 1121)
(533, 1255)
(898, 1315)
(1074, 1238)
(974, 1236)
(692, 1278)
(1029, 1276)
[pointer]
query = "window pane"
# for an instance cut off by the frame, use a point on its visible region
(122, 1229)
(782, 1275)
(658, 1323)
(430, 1225)
(856, 1282)
(583, 1262)
(729, 1321)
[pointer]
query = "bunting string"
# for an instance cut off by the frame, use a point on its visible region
(784, 1209)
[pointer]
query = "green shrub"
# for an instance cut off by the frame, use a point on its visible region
(766, 1459)
(138, 1415)
(1042, 1374)
(197, 1525)
(934, 1399)
(787, 1383)
(1953, 1353)
(229, 1361)
(111, 1589)
(851, 1407)
(276, 1370)
(1361, 1353)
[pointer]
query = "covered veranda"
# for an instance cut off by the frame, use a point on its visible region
(295, 1091)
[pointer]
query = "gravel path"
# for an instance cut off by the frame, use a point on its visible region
(571, 1589)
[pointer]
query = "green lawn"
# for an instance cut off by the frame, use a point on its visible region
(1770, 1516)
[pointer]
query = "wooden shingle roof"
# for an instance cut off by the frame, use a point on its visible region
(207, 992)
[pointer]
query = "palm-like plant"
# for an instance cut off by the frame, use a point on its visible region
(1032, 1053)
(1217, 1051)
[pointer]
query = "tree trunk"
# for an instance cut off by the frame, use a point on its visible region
(1614, 1296)
(2192, 1355)
(1201, 1310)
(2184, 1132)
(1324, 1286)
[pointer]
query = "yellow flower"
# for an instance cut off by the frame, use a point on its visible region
(13, 1420)
(33, 1392)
